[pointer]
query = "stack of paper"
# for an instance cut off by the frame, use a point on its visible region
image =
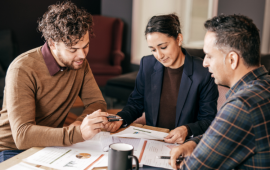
(90, 153)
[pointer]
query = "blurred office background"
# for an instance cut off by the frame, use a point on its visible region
(20, 18)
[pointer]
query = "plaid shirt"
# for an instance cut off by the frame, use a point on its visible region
(239, 136)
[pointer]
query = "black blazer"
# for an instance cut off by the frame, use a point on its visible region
(197, 97)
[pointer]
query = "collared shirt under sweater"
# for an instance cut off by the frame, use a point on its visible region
(37, 98)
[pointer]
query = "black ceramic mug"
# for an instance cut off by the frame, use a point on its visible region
(120, 157)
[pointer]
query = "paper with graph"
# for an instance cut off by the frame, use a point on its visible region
(136, 132)
(89, 154)
(151, 149)
(65, 158)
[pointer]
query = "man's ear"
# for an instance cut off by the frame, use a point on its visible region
(51, 44)
(233, 58)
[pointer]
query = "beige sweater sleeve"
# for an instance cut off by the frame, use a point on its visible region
(21, 107)
(91, 95)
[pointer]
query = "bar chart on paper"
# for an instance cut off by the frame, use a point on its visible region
(49, 156)
(64, 158)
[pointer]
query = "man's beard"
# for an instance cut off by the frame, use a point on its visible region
(67, 64)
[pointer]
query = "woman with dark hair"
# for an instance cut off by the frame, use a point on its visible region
(172, 87)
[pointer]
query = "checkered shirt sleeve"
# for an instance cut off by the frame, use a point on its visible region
(239, 136)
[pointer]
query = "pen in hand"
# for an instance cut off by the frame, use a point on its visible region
(113, 120)
(179, 159)
(112, 116)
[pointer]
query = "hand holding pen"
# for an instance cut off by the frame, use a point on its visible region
(93, 123)
(114, 123)
(178, 160)
(183, 151)
(112, 118)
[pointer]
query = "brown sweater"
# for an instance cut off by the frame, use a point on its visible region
(168, 99)
(36, 103)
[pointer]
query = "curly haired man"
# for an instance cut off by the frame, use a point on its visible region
(42, 84)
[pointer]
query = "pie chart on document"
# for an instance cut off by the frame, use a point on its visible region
(83, 155)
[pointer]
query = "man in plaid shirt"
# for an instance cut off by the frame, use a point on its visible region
(239, 136)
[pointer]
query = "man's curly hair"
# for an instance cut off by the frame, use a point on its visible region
(236, 33)
(65, 22)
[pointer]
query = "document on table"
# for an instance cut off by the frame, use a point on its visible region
(23, 166)
(90, 153)
(151, 149)
(107, 140)
(104, 139)
(65, 158)
(100, 135)
(136, 132)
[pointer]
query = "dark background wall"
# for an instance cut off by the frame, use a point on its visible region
(121, 9)
(254, 9)
(21, 17)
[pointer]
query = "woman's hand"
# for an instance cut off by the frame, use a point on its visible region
(113, 126)
(178, 135)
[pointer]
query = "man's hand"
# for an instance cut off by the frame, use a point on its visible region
(93, 123)
(113, 126)
(183, 150)
(178, 135)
